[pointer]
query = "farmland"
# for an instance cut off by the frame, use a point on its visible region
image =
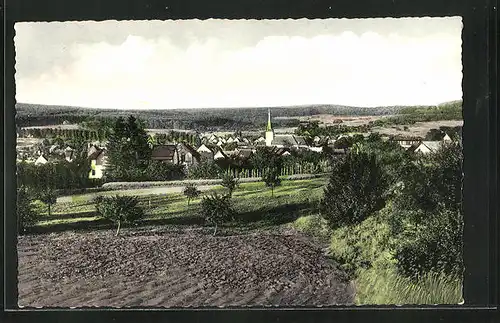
(258, 259)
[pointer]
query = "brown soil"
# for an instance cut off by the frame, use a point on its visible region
(176, 268)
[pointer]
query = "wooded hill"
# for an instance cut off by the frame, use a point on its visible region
(200, 119)
(213, 119)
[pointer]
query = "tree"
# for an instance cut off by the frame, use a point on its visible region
(119, 209)
(343, 143)
(265, 157)
(355, 190)
(191, 192)
(161, 171)
(49, 197)
(229, 182)
(434, 135)
(128, 149)
(26, 215)
(205, 170)
(271, 178)
(216, 209)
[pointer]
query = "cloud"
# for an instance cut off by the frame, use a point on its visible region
(363, 68)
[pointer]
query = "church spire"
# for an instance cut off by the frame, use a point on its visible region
(269, 127)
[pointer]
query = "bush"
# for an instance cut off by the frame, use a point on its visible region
(26, 215)
(119, 209)
(428, 223)
(217, 209)
(208, 170)
(435, 245)
(229, 182)
(271, 178)
(191, 192)
(356, 189)
(161, 171)
(49, 198)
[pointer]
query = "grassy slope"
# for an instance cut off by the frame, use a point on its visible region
(364, 252)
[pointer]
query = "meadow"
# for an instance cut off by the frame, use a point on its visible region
(253, 203)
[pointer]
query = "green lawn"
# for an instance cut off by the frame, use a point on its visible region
(252, 201)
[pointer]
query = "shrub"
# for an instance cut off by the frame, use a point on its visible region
(428, 223)
(161, 171)
(26, 215)
(119, 209)
(433, 245)
(208, 170)
(356, 189)
(271, 178)
(191, 192)
(229, 182)
(217, 209)
(49, 197)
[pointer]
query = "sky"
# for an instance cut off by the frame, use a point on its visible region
(239, 63)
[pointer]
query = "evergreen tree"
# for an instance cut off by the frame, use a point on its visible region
(356, 189)
(128, 149)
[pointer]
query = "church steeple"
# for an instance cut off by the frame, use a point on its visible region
(269, 130)
(269, 127)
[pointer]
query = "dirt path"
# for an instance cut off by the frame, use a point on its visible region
(176, 268)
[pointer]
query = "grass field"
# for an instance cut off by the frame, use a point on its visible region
(252, 201)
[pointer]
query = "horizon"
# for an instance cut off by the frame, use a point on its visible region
(255, 107)
(223, 64)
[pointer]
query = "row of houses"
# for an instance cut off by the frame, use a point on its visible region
(418, 145)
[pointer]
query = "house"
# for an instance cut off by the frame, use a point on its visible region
(244, 153)
(41, 160)
(187, 155)
(205, 153)
(98, 161)
(425, 147)
(220, 155)
(446, 138)
(407, 142)
(165, 153)
(69, 154)
(316, 149)
(213, 138)
(281, 151)
(260, 140)
(92, 149)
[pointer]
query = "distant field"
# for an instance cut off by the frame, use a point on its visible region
(328, 119)
(418, 129)
(27, 142)
(58, 126)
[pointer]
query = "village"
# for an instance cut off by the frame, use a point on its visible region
(225, 149)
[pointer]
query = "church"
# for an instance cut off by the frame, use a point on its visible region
(282, 140)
